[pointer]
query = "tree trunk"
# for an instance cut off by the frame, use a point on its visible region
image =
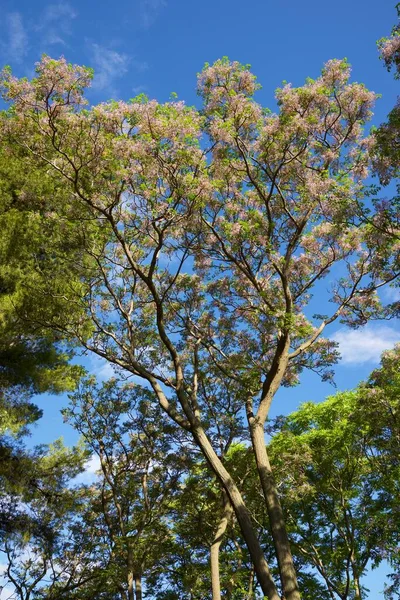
(250, 593)
(130, 567)
(284, 557)
(215, 546)
(357, 589)
(130, 586)
(356, 578)
(138, 587)
(242, 514)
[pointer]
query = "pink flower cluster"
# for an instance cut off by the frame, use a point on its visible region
(234, 238)
(390, 51)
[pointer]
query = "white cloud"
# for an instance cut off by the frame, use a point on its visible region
(90, 474)
(17, 38)
(93, 465)
(149, 11)
(56, 22)
(365, 345)
(109, 65)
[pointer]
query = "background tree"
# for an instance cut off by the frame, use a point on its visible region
(387, 135)
(41, 509)
(208, 556)
(31, 356)
(140, 470)
(32, 359)
(338, 469)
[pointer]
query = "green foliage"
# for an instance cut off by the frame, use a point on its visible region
(38, 507)
(191, 267)
(338, 468)
(131, 501)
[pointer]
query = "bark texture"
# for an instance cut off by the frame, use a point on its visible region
(242, 514)
(284, 556)
(215, 547)
(138, 587)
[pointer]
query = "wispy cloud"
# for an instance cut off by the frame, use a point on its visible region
(6, 591)
(365, 345)
(139, 89)
(93, 464)
(110, 65)
(17, 46)
(62, 10)
(56, 22)
(101, 368)
(149, 11)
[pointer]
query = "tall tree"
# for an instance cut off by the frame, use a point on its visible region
(204, 261)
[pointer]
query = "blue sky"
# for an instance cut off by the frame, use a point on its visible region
(158, 46)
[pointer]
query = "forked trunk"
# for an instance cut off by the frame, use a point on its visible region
(284, 556)
(242, 514)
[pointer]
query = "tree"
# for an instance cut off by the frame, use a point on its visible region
(203, 260)
(139, 474)
(30, 356)
(387, 158)
(208, 556)
(338, 465)
(42, 507)
(32, 360)
(204, 530)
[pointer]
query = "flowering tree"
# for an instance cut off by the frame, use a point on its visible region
(207, 232)
(387, 135)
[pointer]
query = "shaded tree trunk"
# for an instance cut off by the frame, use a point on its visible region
(131, 595)
(138, 587)
(284, 556)
(356, 579)
(216, 544)
(242, 514)
(250, 593)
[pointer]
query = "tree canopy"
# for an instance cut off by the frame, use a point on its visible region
(184, 245)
